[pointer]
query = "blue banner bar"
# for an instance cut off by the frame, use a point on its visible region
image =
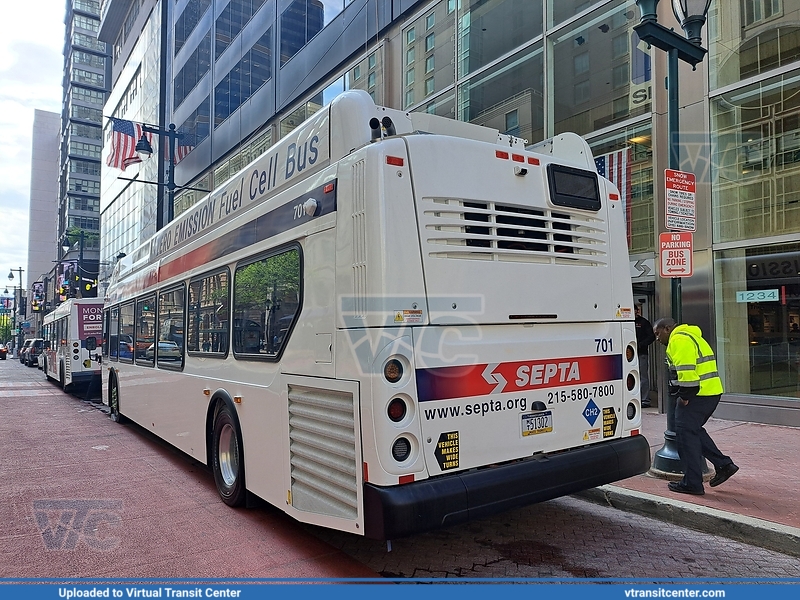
(398, 589)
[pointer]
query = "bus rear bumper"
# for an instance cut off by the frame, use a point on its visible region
(398, 511)
(84, 376)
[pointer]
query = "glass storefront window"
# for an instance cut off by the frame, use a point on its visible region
(489, 29)
(513, 85)
(758, 319)
(601, 71)
(301, 20)
(626, 158)
(561, 10)
(372, 65)
(443, 105)
(755, 36)
(431, 50)
(755, 139)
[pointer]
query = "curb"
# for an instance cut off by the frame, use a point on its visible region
(756, 532)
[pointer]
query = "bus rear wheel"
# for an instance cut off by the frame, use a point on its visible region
(227, 458)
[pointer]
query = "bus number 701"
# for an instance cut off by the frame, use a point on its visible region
(603, 345)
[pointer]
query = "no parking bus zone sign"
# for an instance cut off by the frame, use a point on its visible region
(675, 247)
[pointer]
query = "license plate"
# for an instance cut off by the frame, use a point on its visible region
(536, 423)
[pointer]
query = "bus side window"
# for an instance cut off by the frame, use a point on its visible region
(170, 342)
(266, 302)
(126, 332)
(113, 333)
(209, 314)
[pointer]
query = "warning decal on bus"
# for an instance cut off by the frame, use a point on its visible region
(444, 383)
(446, 452)
(609, 422)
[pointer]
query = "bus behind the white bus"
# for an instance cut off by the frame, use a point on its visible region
(388, 323)
(72, 334)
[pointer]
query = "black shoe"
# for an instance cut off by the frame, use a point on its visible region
(677, 486)
(646, 404)
(723, 474)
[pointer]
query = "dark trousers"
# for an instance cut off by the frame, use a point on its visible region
(693, 440)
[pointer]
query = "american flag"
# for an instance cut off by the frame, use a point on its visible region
(183, 145)
(616, 166)
(124, 136)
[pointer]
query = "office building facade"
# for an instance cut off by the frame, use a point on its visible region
(85, 87)
(235, 76)
(43, 216)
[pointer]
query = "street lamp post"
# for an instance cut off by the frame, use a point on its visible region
(21, 300)
(145, 150)
(691, 15)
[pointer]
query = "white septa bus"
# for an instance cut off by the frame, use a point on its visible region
(388, 323)
(72, 334)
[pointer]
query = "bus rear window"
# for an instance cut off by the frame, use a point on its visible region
(572, 187)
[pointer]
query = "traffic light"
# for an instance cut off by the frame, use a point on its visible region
(35, 306)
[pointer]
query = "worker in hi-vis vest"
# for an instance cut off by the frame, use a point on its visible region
(694, 382)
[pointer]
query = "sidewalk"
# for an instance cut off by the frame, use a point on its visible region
(759, 505)
(86, 497)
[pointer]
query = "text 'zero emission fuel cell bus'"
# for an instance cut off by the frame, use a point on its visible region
(388, 323)
(72, 334)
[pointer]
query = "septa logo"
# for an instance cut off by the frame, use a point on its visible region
(465, 381)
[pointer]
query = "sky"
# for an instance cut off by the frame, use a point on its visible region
(31, 70)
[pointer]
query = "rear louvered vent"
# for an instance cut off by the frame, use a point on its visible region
(323, 452)
(501, 232)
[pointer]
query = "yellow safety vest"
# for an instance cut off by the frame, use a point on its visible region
(692, 361)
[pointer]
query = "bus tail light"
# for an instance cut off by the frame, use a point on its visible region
(397, 410)
(631, 382)
(629, 353)
(401, 449)
(631, 411)
(393, 370)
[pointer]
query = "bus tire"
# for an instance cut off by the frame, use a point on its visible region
(227, 458)
(113, 401)
(62, 380)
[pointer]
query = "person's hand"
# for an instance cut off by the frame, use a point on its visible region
(683, 401)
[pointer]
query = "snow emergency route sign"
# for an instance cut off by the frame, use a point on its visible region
(676, 253)
(680, 200)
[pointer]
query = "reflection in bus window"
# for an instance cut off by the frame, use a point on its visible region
(266, 303)
(126, 332)
(145, 329)
(169, 351)
(208, 314)
(113, 332)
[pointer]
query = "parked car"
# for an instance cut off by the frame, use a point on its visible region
(3, 352)
(34, 352)
(23, 349)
